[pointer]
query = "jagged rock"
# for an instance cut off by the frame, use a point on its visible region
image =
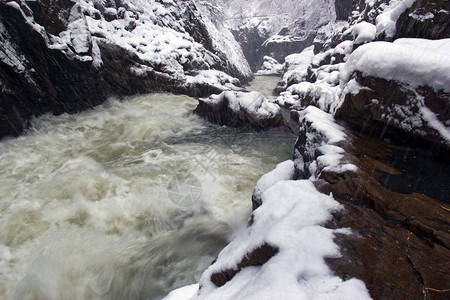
(429, 19)
(240, 109)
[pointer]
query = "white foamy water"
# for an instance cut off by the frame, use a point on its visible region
(126, 201)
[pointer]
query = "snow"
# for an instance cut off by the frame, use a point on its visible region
(292, 218)
(270, 66)
(415, 63)
(253, 103)
(283, 171)
(386, 22)
(183, 293)
(364, 32)
(297, 64)
(430, 118)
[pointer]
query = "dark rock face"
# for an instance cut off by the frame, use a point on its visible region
(402, 245)
(256, 43)
(384, 103)
(279, 50)
(429, 19)
(257, 257)
(343, 8)
(251, 40)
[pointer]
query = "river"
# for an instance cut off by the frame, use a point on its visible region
(128, 200)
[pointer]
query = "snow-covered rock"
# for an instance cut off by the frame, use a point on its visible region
(290, 220)
(270, 66)
(242, 109)
(318, 146)
(405, 84)
(411, 61)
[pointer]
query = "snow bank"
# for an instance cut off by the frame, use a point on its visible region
(183, 293)
(415, 62)
(292, 218)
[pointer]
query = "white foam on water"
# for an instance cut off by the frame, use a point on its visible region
(129, 200)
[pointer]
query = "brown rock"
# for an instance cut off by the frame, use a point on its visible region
(401, 246)
(257, 257)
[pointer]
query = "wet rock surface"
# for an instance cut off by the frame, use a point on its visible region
(401, 244)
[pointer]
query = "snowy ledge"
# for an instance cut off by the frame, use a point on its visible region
(416, 62)
(292, 219)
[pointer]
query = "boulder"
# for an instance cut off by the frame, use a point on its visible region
(240, 109)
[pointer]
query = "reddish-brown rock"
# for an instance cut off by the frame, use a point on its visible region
(401, 248)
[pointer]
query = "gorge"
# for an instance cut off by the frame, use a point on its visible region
(226, 149)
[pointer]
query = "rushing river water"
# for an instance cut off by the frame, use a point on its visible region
(126, 201)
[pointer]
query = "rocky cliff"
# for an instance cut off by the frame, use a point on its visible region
(64, 56)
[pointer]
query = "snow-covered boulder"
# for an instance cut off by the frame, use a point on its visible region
(270, 66)
(240, 109)
(405, 84)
